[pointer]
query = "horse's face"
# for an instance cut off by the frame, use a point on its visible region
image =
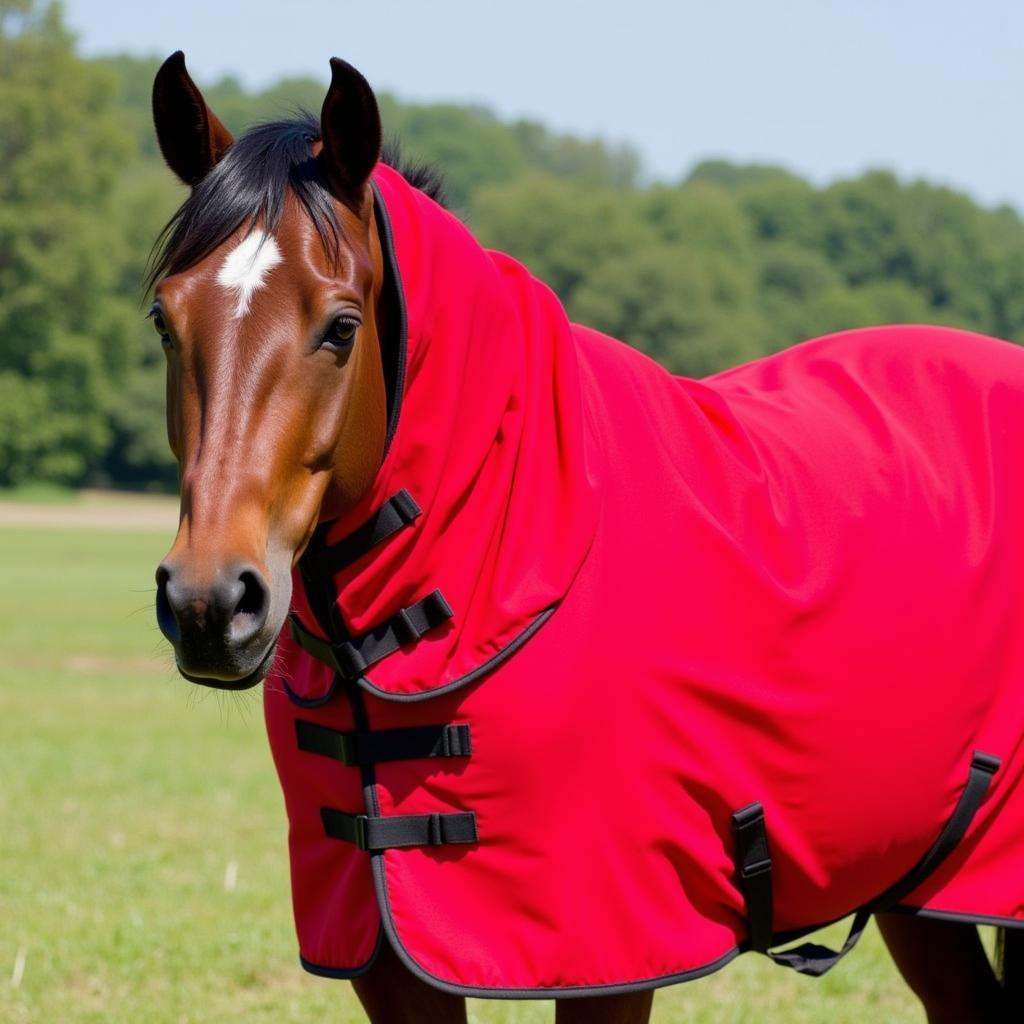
(276, 406)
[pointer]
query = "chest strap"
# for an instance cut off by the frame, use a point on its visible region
(754, 869)
(399, 511)
(399, 830)
(351, 658)
(359, 748)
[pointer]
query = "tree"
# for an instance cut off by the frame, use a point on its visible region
(558, 229)
(588, 162)
(665, 300)
(64, 334)
(735, 261)
(735, 177)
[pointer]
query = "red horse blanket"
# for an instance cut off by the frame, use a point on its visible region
(614, 674)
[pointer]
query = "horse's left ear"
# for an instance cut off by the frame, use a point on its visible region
(350, 128)
(191, 137)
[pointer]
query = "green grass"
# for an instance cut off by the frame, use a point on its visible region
(125, 793)
(39, 494)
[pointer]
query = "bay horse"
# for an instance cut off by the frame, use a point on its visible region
(655, 714)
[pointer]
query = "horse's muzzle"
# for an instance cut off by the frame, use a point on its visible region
(217, 628)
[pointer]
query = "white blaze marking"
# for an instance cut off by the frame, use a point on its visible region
(246, 266)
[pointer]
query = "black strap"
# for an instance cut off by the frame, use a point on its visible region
(395, 514)
(399, 830)
(359, 748)
(754, 863)
(351, 658)
(754, 866)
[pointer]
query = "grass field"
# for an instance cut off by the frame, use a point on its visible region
(130, 801)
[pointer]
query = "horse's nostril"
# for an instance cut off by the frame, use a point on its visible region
(211, 619)
(165, 617)
(250, 612)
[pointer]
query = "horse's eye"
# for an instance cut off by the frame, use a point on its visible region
(342, 332)
(160, 326)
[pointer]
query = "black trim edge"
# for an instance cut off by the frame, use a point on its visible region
(346, 973)
(311, 702)
(470, 677)
(393, 277)
(351, 657)
(565, 992)
(342, 974)
(387, 245)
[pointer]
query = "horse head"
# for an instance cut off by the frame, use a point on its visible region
(267, 304)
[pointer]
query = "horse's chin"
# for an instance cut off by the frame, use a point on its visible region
(241, 682)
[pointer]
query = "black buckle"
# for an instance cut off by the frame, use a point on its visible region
(403, 504)
(405, 629)
(760, 867)
(985, 762)
(359, 836)
(434, 830)
(348, 747)
(455, 741)
(437, 607)
(351, 662)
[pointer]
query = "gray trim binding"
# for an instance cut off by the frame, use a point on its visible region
(311, 702)
(380, 884)
(595, 990)
(482, 669)
(346, 973)
(477, 992)
(405, 698)
(552, 992)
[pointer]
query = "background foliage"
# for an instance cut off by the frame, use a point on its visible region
(730, 263)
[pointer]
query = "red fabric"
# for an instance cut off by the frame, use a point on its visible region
(796, 582)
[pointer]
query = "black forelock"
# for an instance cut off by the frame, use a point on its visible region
(250, 185)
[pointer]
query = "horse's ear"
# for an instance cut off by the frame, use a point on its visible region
(350, 128)
(191, 137)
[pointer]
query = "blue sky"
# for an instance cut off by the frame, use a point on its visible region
(928, 89)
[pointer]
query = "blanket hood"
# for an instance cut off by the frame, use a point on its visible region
(442, 567)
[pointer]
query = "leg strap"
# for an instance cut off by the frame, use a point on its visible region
(754, 866)
(754, 869)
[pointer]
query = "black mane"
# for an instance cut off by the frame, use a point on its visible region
(250, 184)
(426, 177)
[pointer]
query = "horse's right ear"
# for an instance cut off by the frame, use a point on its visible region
(191, 137)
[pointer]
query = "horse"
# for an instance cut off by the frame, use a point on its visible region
(662, 707)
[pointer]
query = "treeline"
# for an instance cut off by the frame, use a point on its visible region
(730, 263)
